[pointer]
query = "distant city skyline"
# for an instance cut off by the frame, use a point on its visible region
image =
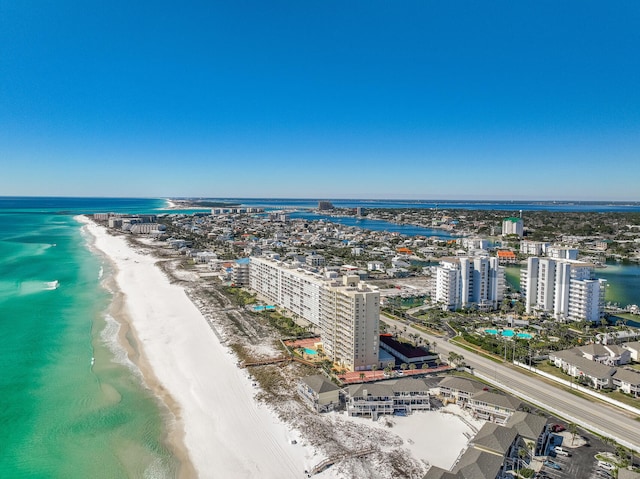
(363, 100)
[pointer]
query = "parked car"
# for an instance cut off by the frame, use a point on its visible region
(552, 465)
(557, 428)
(602, 473)
(606, 465)
(561, 452)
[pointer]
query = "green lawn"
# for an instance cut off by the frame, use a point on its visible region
(623, 398)
(551, 369)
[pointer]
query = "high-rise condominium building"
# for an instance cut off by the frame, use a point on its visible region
(346, 310)
(461, 282)
(565, 289)
(512, 226)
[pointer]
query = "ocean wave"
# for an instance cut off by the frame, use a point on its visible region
(109, 337)
(30, 287)
(101, 272)
(156, 470)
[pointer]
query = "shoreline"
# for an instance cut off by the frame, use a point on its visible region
(217, 424)
(173, 437)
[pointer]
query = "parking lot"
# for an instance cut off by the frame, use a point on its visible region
(582, 462)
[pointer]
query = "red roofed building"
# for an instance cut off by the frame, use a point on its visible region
(506, 256)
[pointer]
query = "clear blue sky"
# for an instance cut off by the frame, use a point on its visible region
(362, 99)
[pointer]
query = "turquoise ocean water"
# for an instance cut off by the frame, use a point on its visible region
(62, 414)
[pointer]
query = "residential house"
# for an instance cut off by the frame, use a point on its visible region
(458, 390)
(609, 354)
(627, 381)
(319, 393)
(473, 464)
(493, 406)
(506, 256)
(598, 375)
(492, 454)
(634, 350)
(532, 428)
(399, 395)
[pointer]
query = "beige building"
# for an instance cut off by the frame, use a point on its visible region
(349, 324)
(346, 310)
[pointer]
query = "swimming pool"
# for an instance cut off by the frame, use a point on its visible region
(492, 332)
(310, 352)
(262, 308)
(524, 335)
(508, 333)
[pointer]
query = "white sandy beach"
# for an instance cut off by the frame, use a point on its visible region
(221, 430)
(227, 433)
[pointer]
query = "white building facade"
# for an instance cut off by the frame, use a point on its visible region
(566, 289)
(461, 282)
(346, 310)
(512, 226)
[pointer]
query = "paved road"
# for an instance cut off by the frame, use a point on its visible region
(595, 416)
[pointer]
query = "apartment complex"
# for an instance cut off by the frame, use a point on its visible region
(566, 289)
(512, 226)
(346, 310)
(462, 282)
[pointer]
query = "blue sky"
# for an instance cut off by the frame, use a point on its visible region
(362, 99)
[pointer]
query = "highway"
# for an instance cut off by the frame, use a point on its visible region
(594, 415)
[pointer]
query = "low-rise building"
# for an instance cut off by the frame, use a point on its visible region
(406, 353)
(533, 428)
(597, 375)
(627, 381)
(458, 390)
(319, 393)
(492, 406)
(608, 354)
(634, 350)
(394, 396)
(506, 256)
(494, 451)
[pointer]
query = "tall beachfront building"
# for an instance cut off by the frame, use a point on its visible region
(350, 323)
(565, 289)
(346, 310)
(512, 226)
(462, 282)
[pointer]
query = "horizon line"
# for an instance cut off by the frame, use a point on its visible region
(315, 198)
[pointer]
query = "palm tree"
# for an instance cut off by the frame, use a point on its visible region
(573, 429)
(362, 376)
(621, 452)
(374, 368)
(522, 453)
(412, 366)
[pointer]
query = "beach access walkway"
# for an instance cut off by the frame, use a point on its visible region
(330, 461)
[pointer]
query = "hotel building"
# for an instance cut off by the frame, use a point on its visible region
(566, 289)
(346, 310)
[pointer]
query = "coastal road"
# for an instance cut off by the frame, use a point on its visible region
(594, 415)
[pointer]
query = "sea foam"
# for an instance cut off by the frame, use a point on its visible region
(109, 336)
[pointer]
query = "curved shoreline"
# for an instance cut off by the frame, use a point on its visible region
(227, 432)
(173, 437)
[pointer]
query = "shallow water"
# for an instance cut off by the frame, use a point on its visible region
(61, 415)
